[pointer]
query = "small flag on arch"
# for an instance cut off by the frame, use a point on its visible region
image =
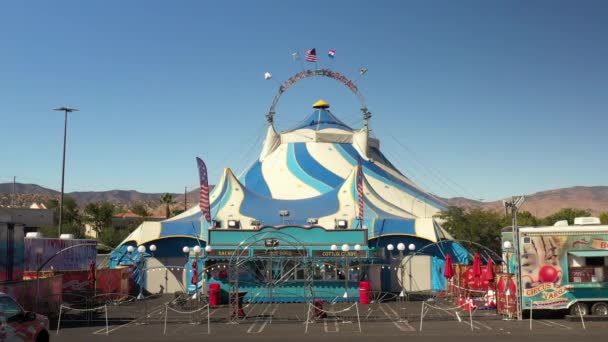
(204, 194)
(331, 53)
(267, 76)
(362, 71)
(311, 55)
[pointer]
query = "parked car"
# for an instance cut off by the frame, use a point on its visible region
(17, 324)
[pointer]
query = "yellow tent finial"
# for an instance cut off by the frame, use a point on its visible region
(320, 104)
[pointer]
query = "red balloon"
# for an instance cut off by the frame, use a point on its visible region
(548, 274)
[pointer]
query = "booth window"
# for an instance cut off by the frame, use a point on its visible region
(587, 266)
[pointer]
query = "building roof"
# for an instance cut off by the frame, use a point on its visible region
(127, 214)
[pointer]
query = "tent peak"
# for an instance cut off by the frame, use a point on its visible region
(320, 104)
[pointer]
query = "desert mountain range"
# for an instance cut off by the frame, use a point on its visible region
(540, 204)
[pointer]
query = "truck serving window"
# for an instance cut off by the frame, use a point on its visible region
(587, 266)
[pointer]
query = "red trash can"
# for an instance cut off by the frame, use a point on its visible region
(319, 312)
(364, 292)
(214, 294)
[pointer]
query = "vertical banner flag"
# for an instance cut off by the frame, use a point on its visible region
(311, 55)
(360, 187)
(204, 195)
(295, 56)
(331, 53)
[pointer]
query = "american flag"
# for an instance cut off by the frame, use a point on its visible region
(204, 196)
(311, 55)
(360, 187)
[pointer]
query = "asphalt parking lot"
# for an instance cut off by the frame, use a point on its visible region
(288, 322)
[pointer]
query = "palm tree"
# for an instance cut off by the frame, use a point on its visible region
(167, 200)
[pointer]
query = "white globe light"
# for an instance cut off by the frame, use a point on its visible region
(357, 247)
(411, 247)
(141, 249)
(390, 247)
(153, 248)
(334, 247)
(186, 249)
(401, 246)
(345, 248)
(507, 244)
(208, 248)
(197, 249)
(130, 249)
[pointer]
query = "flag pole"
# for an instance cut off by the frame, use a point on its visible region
(301, 62)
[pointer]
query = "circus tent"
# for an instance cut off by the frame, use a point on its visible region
(310, 172)
(309, 176)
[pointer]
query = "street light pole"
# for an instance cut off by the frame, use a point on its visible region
(346, 273)
(507, 246)
(66, 110)
(515, 203)
(412, 248)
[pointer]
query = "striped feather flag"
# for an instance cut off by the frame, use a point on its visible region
(360, 187)
(204, 195)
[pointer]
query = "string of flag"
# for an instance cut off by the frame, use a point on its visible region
(311, 57)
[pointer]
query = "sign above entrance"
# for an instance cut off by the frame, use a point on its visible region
(339, 254)
(280, 252)
(221, 252)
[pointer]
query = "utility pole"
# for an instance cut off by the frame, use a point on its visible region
(185, 198)
(514, 204)
(66, 110)
(13, 197)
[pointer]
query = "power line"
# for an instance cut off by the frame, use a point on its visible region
(434, 172)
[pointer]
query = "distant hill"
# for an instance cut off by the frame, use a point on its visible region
(545, 203)
(20, 188)
(540, 204)
(26, 194)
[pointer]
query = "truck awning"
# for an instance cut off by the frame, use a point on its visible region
(589, 253)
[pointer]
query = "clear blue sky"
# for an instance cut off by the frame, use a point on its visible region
(483, 99)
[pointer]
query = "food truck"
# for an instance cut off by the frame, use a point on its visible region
(564, 267)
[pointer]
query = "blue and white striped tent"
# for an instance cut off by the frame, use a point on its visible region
(310, 171)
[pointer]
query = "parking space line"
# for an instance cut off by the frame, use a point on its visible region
(542, 322)
(483, 325)
(395, 312)
(336, 327)
(468, 324)
(264, 320)
(551, 323)
(156, 310)
(402, 326)
(386, 313)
